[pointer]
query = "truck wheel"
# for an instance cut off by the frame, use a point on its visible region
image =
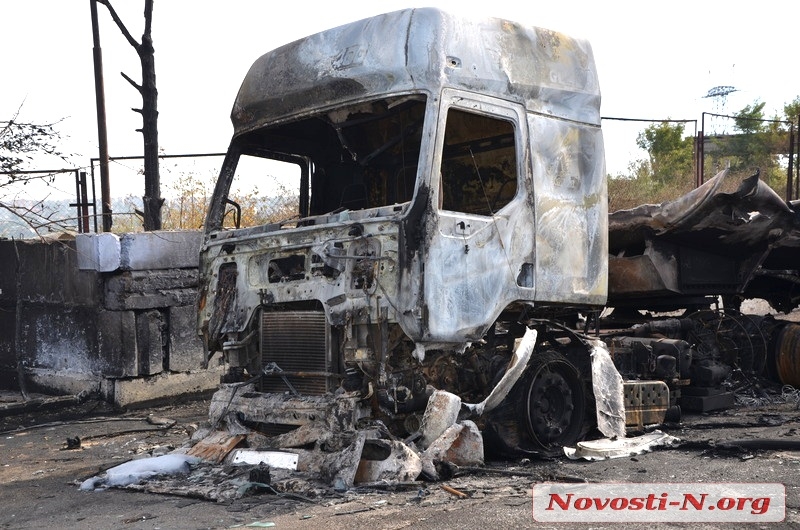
(554, 404)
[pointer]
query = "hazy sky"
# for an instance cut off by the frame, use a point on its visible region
(654, 60)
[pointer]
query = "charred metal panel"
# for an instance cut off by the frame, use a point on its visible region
(473, 259)
(636, 275)
(337, 270)
(751, 217)
(708, 242)
(569, 197)
(704, 272)
(223, 318)
(421, 50)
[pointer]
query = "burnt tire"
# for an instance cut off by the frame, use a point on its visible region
(554, 402)
(545, 411)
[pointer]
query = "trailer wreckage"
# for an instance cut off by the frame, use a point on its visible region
(444, 234)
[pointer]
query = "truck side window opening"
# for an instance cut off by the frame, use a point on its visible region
(479, 165)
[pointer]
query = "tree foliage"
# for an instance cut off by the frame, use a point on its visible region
(666, 173)
(791, 111)
(670, 153)
(757, 144)
(754, 142)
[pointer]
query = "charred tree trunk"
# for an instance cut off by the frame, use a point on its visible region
(152, 182)
(151, 200)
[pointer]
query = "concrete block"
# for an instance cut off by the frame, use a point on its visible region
(161, 250)
(98, 252)
(461, 444)
(440, 414)
(59, 338)
(185, 346)
(135, 290)
(387, 461)
(8, 324)
(161, 388)
(150, 342)
(49, 274)
(116, 343)
(62, 383)
(8, 268)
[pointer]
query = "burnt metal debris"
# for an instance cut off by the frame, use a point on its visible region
(439, 278)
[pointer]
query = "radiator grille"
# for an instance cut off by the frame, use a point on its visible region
(297, 341)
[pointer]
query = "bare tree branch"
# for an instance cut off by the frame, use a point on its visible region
(24, 218)
(19, 141)
(118, 21)
(132, 82)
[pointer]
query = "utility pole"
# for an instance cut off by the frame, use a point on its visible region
(102, 134)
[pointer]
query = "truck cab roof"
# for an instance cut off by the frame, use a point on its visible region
(421, 50)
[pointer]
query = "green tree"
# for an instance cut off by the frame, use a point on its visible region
(759, 144)
(670, 154)
(666, 173)
(791, 110)
(750, 119)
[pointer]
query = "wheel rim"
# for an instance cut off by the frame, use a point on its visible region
(555, 404)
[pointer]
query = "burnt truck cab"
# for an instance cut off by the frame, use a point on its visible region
(402, 198)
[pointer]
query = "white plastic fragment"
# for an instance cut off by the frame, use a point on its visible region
(522, 354)
(274, 459)
(606, 448)
(140, 470)
(608, 390)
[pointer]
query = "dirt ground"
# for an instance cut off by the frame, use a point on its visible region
(43, 466)
(40, 476)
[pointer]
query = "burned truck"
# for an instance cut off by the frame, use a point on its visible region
(431, 189)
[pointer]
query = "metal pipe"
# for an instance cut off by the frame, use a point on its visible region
(789, 186)
(797, 177)
(84, 198)
(702, 150)
(102, 133)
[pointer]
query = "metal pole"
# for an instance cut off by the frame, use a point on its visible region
(94, 198)
(102, 135)
(789, 186)
(84, 204)
(78, 200)
(797, 165)
(702, 156)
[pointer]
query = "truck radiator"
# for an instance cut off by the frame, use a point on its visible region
(298, 342)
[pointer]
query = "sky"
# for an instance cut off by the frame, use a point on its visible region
(655, 60)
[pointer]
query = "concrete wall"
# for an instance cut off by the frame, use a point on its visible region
(103, 313)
